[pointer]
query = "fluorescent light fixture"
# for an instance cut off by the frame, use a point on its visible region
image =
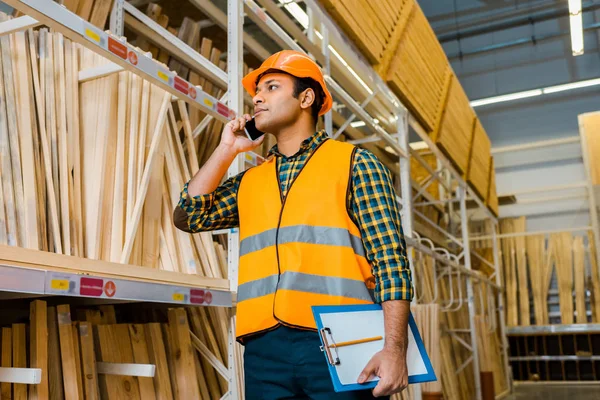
(506, 97)
(571, 86)
(576, 22)
(357, 124)
(574, 6)
(536, 92)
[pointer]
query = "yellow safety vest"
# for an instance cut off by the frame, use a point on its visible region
(300, 250)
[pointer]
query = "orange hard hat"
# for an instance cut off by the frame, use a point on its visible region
(294, 63)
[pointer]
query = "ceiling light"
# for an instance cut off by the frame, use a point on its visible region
(536, 92)
(576, 22)
(506, 97)
(570, 86)
(357, 124)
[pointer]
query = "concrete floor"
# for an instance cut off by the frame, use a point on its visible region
(555, 392)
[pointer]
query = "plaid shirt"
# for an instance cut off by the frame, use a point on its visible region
(372, 206)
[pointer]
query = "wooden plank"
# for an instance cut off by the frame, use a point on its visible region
(522, 272)
(84, 9)
(72, 385)
(141, 356)
(589, 124)
(148, 169)
(109, 316)
(100, 12)
(25, 132)
(579, 275)
(181, 346)
(61, 121)
(38, 350)
(115, 346)
(39, 90)
(88, 361)
(13, 135)
(19, 345)
(118, 212)
(55, 375)
(535, 258)
(595, 298)
(6, 362)
(77, 355)
(158, 357)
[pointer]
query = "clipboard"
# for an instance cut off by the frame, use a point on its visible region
(337, 324)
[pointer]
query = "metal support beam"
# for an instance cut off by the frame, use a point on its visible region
(117, 20)
(349, 120)
(467, 249)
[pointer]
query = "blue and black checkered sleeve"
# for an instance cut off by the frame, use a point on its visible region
(216, 210)
(374, 207)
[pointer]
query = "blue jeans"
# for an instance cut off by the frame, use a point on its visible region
(287, 363)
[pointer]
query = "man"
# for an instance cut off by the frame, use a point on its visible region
(319, 225)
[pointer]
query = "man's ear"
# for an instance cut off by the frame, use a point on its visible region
(307, 98)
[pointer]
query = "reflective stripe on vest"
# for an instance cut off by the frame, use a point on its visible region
(303, 234)
(305, 283)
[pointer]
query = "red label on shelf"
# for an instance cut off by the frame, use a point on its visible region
(208, 297)
(197, 296)
(222, 109)
(193, 92)
(90, 286)
(181, 85)
(132, 57)
(118, 48)
(110, 289)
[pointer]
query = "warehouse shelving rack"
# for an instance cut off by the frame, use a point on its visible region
(353, 83)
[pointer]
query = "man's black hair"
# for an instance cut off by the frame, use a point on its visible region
(300, 85)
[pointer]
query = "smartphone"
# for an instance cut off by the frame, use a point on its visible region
(251, 130)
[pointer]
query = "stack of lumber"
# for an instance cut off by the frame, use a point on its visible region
(94, 169)
(422, 176)
(589, 128)
(454, 133)
(427, 318)
(67, 343)
(375, 27)
(419, 73)
(529, 264)
(452, 353)
(478, 172)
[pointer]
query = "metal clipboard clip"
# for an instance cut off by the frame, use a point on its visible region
(327, 348)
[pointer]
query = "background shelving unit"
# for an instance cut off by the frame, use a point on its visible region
(360, 94)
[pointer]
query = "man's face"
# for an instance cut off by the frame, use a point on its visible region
(275, 107)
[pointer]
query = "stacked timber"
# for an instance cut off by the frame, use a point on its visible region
(589, 128)
(478, 173)
(93, 169)
(94, 11)
(531, 262)
(68, 342)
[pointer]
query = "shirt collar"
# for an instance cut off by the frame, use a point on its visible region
(309, 144)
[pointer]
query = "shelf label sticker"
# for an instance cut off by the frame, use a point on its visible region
(208, 102)
(90, 34)
(91, 286)
(193, 92)
(181, 85)
(196, 296)
(163, 76)
(222, 109)
(178, 297)
(118, 48)
(110, 289)
(208, 297)
(132, 57)
(60, 284)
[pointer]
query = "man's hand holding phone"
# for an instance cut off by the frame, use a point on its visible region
(235, 137)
